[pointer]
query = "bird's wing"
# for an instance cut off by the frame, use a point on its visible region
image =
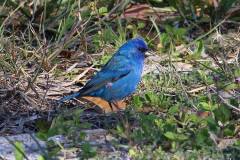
(114, 70)
(102, 79)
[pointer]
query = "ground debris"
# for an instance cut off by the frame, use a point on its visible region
(34, 147)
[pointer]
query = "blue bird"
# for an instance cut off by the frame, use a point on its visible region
(119, 77)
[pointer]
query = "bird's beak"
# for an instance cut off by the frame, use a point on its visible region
(147, 54)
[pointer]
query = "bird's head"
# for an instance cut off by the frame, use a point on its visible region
(134, 48)
(139, 44)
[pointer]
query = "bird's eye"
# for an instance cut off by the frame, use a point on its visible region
(142, 49)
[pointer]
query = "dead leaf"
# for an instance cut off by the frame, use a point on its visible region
(137, 11)
(66, 54)
(144, 11)
(203, 114)
(224, 143)
(184, 67)
(214, 3)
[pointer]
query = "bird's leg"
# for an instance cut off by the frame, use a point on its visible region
(110, 104)
(113, 104)
(116, 105)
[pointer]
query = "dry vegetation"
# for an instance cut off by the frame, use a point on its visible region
(186, 107)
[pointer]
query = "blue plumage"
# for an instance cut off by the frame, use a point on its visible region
(119, 77)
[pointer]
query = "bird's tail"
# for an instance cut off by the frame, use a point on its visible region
(66, 98)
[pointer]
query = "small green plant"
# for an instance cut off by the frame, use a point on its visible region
(19, 151)
(69, 125)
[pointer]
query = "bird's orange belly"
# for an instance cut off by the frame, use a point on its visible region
(105, 106)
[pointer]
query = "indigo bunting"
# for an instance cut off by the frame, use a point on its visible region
(119, 77)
